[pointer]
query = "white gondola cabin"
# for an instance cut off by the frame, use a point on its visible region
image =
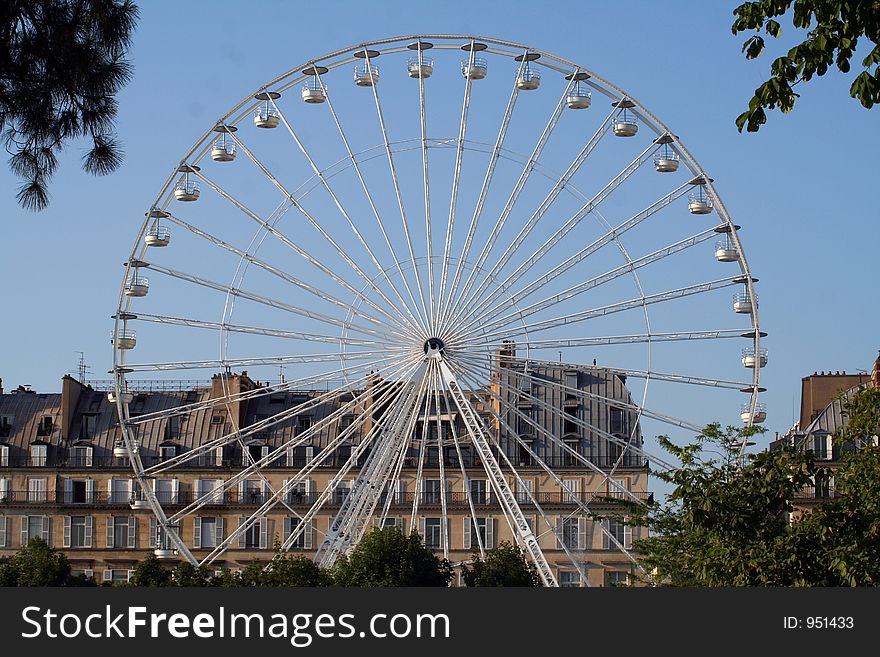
(725, 251)
(752, 360)
(757, 417)
(125, 339)
(699, 201)
(743, 303)
(665, 159)
(420, 69)
(624, 124)
(136, 285)
(266, 115)
(223, 149)
(366, 75)
(314, 91)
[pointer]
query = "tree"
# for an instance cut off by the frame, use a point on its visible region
(294, 570)
(186, 574)
(62, 62)
(831, 40)
(385, 557)
(37, 564)
(728, 524)
(505, 565)
(150, 572)
(862, 410)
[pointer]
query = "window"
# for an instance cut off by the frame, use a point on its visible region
(431, 491)
(618, 487)
(482, 527)
(39, 455)
(571, 490)
(4, 490)
(117, 575)
(46, 425)
(616, 578)
(253, 453)
(167, 452)
(303, 541)
(34, 527)
(569, 455)
(391, 522)
(255, 536)
(211, 488)
(5, 426)
(166, 490)
(479, 491)
(77, 531)
(617, 421)
(525, 452)
(525, 489)
(207, 532)
(621, 532)
(569, 579)
(570, 422)
(304, 422)
(4, 456)
(341, 491)
(121, 532)
(119, 491)
(432, 533)
(81, 456)
(79, 491)
(4, 533)
(571, 532)
(36, 490)
(297, 492)
(251, 491)
(87, 426)
(298, 457)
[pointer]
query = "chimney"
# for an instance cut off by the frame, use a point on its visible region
(1, 386)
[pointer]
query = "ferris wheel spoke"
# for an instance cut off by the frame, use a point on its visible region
(514, 194)
(256, 464)
(589, 207)
(453, 201)
(574, 499)
(484, 190)
(641, 410)
(423, 443)
(611, 236)
(261, 299)
(488, 319)
(257, 393)
(464, 476)
(397, 193)
(262, 425)
(304, 253)
(660, 297)
(299, 283)
(260, 330)
(402, 311)
(429, 234)
(417, 318)
(351, 521)
(626, 445)
(604, 340)
(221, 363)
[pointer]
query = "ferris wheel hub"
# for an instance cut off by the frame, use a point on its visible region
(434, 347)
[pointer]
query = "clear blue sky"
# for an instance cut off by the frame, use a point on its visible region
(804, 188)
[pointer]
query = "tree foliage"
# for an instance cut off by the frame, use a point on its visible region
(61, 64)
(150, 572)
(863, 416)
(833, 31)
(505, 565)
(36, 565)
(728, 524)
(386, 557)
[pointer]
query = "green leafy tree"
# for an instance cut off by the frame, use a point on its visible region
(386, 557)
(186, 574)
(288, 569)
(862, 410)
(150, 572)
(505, 565)
(833, 31)
(732, 524)
(37, 564)
(62, 62)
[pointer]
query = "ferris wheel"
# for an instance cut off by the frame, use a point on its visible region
(473, 277)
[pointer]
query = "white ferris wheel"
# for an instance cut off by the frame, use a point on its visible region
(443, 243)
